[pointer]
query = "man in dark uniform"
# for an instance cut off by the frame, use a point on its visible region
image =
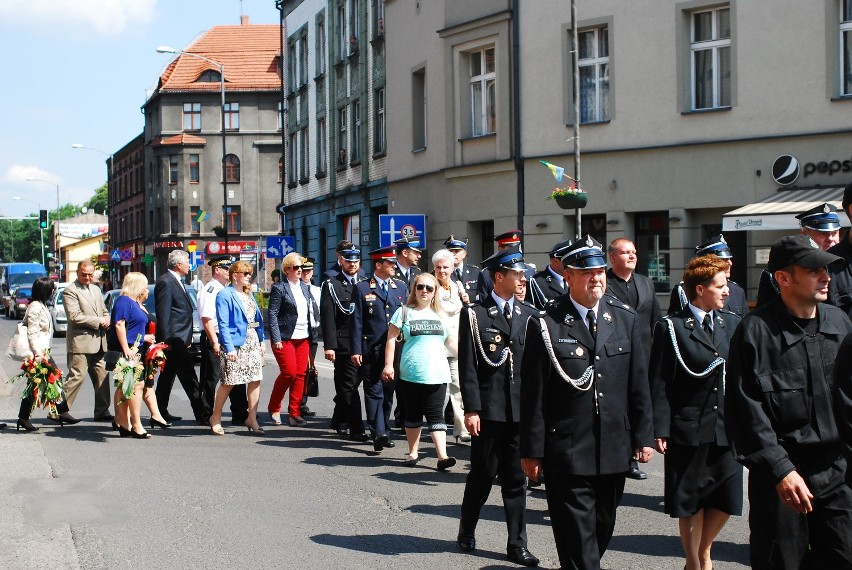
(822, 224)
(585, 406)
(342, 245)
(548, 284)
(374, 302)
(211, 366)
(464, 274)
(840, 288)
(512, 238)
(623, 283)
(779, 416)
(491, 346)
(336, 308)
(407, 255)
(736, 302)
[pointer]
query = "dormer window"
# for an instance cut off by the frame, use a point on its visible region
(210, 76)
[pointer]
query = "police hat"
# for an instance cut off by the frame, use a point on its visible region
(403, 244)
(352, 254)
(224, 261)
(509, 258)
(584, 254)
(307, 263)
(452, 243)
(559, 249)
(512, 237)
(799, 250)
(822, 218)
(384, 254)
(715, 245)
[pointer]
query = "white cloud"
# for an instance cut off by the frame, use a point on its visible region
(18, 173)
(108, 17)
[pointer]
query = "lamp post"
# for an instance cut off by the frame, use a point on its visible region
(58, 247)
(111, 164)
(40, 231)
(167, 49)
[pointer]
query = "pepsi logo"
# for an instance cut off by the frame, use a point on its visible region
(785, 169)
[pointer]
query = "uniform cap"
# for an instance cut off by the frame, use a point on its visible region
(560, 248)
(822, 218)
(307, 263)
(352, 254)
(799, 250)
(403, 244)
(509, 258)
(384, 254)
(715, 245)
(221, 261)
(584, 254)
(452, 243)
(512, 237)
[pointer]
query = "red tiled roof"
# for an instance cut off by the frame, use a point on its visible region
(248, 52)
(183, 139)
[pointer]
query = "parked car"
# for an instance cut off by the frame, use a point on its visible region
(57, 310)
(111, 296)
(20, 301)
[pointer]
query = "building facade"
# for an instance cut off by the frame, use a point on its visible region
(126, 207)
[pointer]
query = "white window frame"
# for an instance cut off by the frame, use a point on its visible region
(596, 61)
(845, 62)
(380, 135)
(481, 125)
(715, 44)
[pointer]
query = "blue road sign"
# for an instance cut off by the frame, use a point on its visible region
(279, 246)
(196, 258)
(115, 255)
(395, 226)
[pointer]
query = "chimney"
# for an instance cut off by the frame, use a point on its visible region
(244, 20)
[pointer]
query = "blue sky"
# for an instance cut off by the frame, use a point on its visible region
(78, 72)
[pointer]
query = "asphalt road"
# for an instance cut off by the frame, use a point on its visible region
(81, 497)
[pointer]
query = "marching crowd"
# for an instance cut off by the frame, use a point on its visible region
(569, 377)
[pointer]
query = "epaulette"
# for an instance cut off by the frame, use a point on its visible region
(727, 311)
(613, 302)
(734, 282)
(210, 289)
(525, 303)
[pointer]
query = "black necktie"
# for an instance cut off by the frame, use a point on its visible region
(708, 328)
(507, 312)
(457, 273)
(385, 289)
(593, 324)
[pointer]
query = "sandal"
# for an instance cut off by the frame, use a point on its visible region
(216, 429)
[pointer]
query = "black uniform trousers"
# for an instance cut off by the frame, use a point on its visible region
(347, 399)
(179, 363)
(782, 539)
(211, 375)
(496, 450)
(582, 507)
(378, 398)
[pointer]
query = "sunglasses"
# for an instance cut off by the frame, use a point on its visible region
(246, 273)
(294, 267)
(427, 288)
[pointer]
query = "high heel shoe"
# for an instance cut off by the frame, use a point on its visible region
(216, 429)
(124, 432)
(143, 435)
(256, 431)
(26, 424)
(114, 426)
(154, 423)
(66, 418)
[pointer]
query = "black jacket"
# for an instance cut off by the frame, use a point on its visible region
(282, 311)
(335, 313)
(413, 272)
(543, 288)
(843, 398)
(174, 310)
(469, 280)
(648, 308)
(689, 410)
(372, 312)
(736, 302)
(840, 288)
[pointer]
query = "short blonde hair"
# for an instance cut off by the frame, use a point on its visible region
(241, 267)
(290, 260)
(412, 295)
(134, 284)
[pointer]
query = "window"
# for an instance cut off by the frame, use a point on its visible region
(232, 219)
(174, 225)
(322, 158)
(280, 115)
(232, 169)
(379, 135)
(173, 169)
(711, 58)
(652, 248)
(846, 47)
(355, 154)
(210, 76)
(232, 116)
(482, 92)
(304, 168)
(378, 18)
(194, 170)
(192, 116)
(418, 109)
(292, 159)
(593, 61)
(293, 79)
(342, 38)
(354, 26)
(303, 58)
(341, 137)
(194, 224)
(320, 47)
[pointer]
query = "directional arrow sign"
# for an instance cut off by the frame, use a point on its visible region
(279, 246)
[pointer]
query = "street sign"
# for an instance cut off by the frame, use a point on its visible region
(148, 259)
(196, 258)
(126, 254)
(115, 255)
(395, 226)
(279, 246)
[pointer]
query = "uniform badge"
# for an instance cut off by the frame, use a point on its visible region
(579, 351)
(369, 297)
(826, 209)
(393, 284)
(492, 311)
(492, 347)
(351, 307)
(497, 338)
(371, 310)
(568, 319)
(607, 317)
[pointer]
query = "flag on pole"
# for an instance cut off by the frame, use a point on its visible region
(557, 171)
(201, 216)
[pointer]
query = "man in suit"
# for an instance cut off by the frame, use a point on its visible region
(374, 302)
(548, 284)
(623, 283)
(88, 322)
(491, 348)
(407, 256)
(174, 327)
(342, 245)
(336, 309)
(466, 275)
(585, 405)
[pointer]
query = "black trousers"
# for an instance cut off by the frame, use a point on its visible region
(422, 400)
(211, 375)
(582, 515)
(496, 449)
(347, 399)
(179, 363)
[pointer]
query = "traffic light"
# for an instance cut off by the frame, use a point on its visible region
(42, 219)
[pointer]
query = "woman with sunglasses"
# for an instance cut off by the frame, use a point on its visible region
(290, 335)
(241, 338)
(423, 370)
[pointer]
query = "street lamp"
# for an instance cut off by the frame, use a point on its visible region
(111, 164)
(171, 50)
(56, 230)
(40, 231)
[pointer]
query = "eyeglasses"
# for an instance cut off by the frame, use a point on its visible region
(295, 267)
(424, 287)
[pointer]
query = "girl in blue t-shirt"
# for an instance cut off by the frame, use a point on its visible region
(423, 370)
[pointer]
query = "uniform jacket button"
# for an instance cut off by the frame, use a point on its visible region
(597, 357)
(715, 407)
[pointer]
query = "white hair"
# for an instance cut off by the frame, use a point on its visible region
(176, 257)
(443, 255)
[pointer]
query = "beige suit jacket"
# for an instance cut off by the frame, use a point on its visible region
(84, 308)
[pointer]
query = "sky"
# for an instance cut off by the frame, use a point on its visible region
(78, 73)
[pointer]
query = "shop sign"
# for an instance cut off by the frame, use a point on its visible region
(168, 245)
(234, 247)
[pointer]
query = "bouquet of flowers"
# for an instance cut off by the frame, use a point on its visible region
(155, 360)
(128, 371)
(44, 381)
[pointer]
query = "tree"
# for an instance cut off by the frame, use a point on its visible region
(20, 240)
(98, 202)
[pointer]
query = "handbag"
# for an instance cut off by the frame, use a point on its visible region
(19, 346)
(312, 381)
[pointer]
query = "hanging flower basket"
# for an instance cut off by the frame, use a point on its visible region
(219, 231)
(569, 198)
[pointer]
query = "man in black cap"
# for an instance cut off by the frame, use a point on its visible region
(464, 274)
(548, 284)
(342, 245)
(736, 302)
(585, 406)
(779, 417)
(840, 288)
(491, 348)
(336, 309)
(822, 224)
(407, 255)
(211, 366)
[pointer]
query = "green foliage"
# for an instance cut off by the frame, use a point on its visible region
(98, 202)
(20, 240)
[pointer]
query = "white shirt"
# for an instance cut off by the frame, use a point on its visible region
(559, 279)
(301, 330)
(699, 314)
(500, 301)
(207, 302)
(584, 311)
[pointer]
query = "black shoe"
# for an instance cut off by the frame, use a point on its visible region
(444, 464)
(154, 423)
(103, 418)
(520, 555)
(387, 442)
(170, 418)
(3, 426)
(344, 432)
(67, 418)
(124, 432)
(143, 435)
(466, 543)
(377, 444)
(306, 412)
(359, 437)
(26, 424)
(636, 473)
